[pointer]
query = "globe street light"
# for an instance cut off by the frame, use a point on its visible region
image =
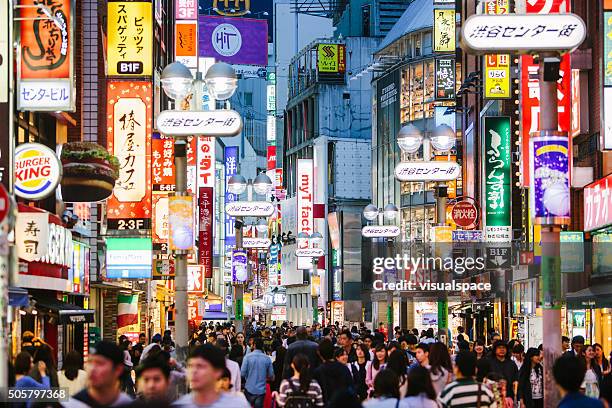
(262, 226)
(237, 184)
(221, 81)
(409, 139)
(370, 212)
(316, 238)
(443, 138)
(262, 184)
(390, 212)
(177, 81)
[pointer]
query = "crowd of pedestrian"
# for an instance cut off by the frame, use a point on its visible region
(334, 366)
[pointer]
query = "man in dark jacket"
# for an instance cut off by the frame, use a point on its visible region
(502, 365)
(301, 346)
(333, 377)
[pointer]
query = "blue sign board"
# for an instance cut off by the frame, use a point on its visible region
(230, 159)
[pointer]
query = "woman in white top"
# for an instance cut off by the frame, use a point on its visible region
(420, 393)
(72, 376)
(377, 364)
(593, 373)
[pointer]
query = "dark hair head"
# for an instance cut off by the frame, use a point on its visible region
(226, 374)
(463, 345)
(347, 334)
(424, 347)
(518, 348)
(479, 342)
(210, 353)
(23, 363)
(379, 347)
(565, 338)
(154, 363)
(339, 352)
(466, 363)
(569, 372)
(386, 384)
(258, 343)
(398, 362)
(499, 343)
(72, 364)
(412, 339)
(302, 366)
(419, 380)
(301, 333)
(326, 349)
(460, 329)
(439, 358)
(366, 351)
(326, 331)
(578, 340)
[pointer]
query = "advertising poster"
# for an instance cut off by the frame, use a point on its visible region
(129, 258)
(331, 58)
(129, 121)
(234, 40)
(45, 59)
(444, 30)
(180, 223)
(445, 79)
(230, 158)
(497, 180)
(160, 220)
(129, 45)
(239, 266)
(186, 43)
(162, 163)
(607, 47)
(550, 190)
(205, 233)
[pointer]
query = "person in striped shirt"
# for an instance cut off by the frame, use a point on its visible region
(465, 391)
(300, 384)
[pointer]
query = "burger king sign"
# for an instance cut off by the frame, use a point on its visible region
(37, 171)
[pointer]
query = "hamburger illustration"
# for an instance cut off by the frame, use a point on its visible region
(89, 172)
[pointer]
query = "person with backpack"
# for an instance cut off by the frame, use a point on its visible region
(300, 390)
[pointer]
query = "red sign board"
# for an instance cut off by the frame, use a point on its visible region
(598, 204)
(465, 214)
(547, 6)
(162, 162)
(205, 234)
(271, 157)
(5, 203)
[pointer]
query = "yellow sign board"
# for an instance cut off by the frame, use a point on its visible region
(330, 58)
(444, 30)
(497, 76)
(130, 38)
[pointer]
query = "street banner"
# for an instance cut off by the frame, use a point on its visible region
(230, 158)
(550, 190)
(45, 60)
(180, 223)
(127, 310)
(445, 79)
(239, 266)
(444, 30)
(331, 58)
(234, 40)
(186, 43)
(498, 178)
(129, 45)
(305, 186)
(129, 121)
(205, 233)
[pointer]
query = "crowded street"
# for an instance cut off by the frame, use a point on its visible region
(306, 203)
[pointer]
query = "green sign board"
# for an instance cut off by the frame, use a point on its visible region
(239, 310)
(442, 314)
(390, 317)
(497, 171)
(572, 250)
(271, 77)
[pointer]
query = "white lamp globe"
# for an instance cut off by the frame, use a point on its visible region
(316, 238)
(302, 239)
(390, 211)
(443, 138)
(409, 139)
(262, 184)
(370, 212)
(176, 80)
(237, 184)
(221, 81)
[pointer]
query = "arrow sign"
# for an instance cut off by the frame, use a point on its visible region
(427, 171)
(522, 33)
(380, 231)
(498, 257)
(249, 209)
(309, 252)
(215, 123)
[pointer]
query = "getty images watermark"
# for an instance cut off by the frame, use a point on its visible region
(456, 265)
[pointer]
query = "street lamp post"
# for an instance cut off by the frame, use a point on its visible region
(389, 212)
(410, 139)
(237, 184)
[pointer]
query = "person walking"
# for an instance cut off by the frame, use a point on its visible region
(531, 380)
(440, 366)
(568, 372)
(345, 340)
(465, 391)
(231, 365)
(333, 377)
(386, 391)
(398, 363)
(592, 376)
(153, 380)
(378, 363)
(155, 341)
(420, 392)
(72, 376)
(104, 370)
(127, 384)
(300, 388)
(301, 346)
(601, 360)
(23, 365)
(577, 346)
(257, 370)
(359, 371)
(502, 365)
(204, 369)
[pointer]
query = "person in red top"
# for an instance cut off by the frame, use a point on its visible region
(383, 330)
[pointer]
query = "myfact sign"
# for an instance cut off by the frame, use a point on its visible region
(522, 33)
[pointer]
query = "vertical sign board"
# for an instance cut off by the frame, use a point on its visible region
(530, 88)
(6, 143)
(239, 266)
(129, 44)
(45, 69)
(186, 43)
(444, 30)
(497, 180)
(230, 159)
(162, 163)
(129, 122)
(607, 67)
(159, 228)
(305, 190)
(497, 66)
(205, 233)
(445, 79)
(186, 9)
(331, 58)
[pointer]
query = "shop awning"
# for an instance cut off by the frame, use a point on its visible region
(593, 297)
(68, 314)
(18, 297)
(215, 315)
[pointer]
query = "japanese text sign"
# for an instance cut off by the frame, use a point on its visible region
(427, 171)
(208, 123)
(331, 58)
(205, 168)
(305, 187)
(130, 38)
(160, 218)
(186, 43)
(45, 60)
(444, 30)
(230, 158)
(445, 79)
(186, 9)
(129, 121)
(162, 162)
(607, 48)
(497, 171)
(195, 279)
(550, 190)
(205, 233)
(497, 66)
(598, 204)
(234, 40)
(522, 33)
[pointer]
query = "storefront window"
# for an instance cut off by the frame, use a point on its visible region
(416, 92)
(429, 90)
